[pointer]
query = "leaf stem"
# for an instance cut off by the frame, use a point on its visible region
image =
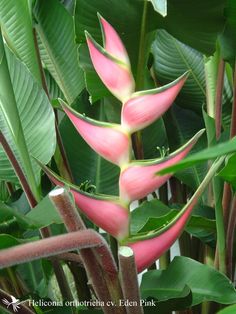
(230, 239)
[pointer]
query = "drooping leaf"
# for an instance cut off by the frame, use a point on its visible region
(9, 214)
(26, 120)
(16, 25)
(57, 47)
(206, 283)
(44, 214)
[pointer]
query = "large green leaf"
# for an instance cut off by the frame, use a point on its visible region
(16, 25)
(153, 215)
(227, 38)
(26, 120)
(206, 283)
(57, 46)
(228, 310)
(185, 124)
(172, 58)
(196, 23)
(84, 162)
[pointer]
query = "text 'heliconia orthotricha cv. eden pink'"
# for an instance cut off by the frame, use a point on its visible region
(137, 178)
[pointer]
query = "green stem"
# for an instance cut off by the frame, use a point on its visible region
(136, 137)
(141, 55)
(220, 228)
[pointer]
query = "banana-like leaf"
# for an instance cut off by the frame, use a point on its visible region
(172, 58)
(57, 47)
(26, 119)
(16, 25)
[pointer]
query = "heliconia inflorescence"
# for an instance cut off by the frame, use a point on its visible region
(113, 142)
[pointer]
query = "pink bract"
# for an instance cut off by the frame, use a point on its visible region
(112, 42)
(114, 74)
(143, 108)
(146, 252)
(107, 213)
(140, 178)
(109, 141)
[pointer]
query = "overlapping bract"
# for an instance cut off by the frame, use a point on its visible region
(113, 142)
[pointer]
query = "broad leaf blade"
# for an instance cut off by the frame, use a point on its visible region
(16, 25)
(27, 121)
(206, 283)
(58, 49)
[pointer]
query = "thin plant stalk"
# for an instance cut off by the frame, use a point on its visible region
(230, 238)
(227, 195)
(129, 280)
(20, 174)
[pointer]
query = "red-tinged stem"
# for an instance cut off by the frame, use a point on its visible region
(99, 263)
(69, 257)
(218, 99)
(233, 115)
(23, 308)
(32, 201)
(66, 168)
(20, 174)
(230, 238)
(227, 195)
(129, 280)
(52, 246)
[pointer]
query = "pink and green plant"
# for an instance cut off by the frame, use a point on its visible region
(113, 142)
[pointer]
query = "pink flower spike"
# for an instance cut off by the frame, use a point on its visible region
(108, 140)
(139, 178)
(112, 42)
(107, 212)
(146, 252)
(114, 73)
(145, 107)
